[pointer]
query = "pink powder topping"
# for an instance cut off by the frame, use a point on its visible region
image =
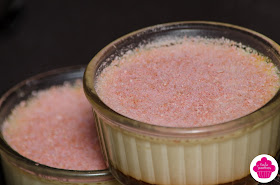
(56, 128)
(192, 82)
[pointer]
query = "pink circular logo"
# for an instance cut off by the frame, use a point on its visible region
(264, 168)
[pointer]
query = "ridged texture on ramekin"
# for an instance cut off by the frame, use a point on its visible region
(170, 161)
(16, 176)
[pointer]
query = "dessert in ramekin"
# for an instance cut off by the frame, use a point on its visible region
(23, 105)
(143, 153)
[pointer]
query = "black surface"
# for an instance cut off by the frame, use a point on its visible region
(39, 35)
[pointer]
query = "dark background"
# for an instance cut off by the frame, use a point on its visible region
(45, 34)
(40, 35)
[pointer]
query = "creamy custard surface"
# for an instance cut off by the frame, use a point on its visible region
(190, 82)
(55, 127)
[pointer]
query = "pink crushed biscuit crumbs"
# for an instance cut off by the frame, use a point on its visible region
(56, 128)
(194, 82)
